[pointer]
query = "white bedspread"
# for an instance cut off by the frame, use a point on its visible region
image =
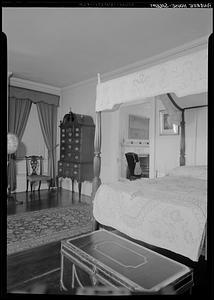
(168, 212)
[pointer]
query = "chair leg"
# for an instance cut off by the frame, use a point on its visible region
(39, 185)
(27, 185)
(49, 184)
(31, 186)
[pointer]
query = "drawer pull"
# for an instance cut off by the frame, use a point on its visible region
(63, 141)
(62, 155)
(76, 157)
(76, 141)
(75, 172)
(69, 140)
(75, 166)
(69, 146)
(60, 170)
(69, 154)
(76, 148)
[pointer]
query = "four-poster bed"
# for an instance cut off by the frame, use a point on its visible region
(182, 76)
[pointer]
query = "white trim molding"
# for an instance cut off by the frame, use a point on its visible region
(27, 84)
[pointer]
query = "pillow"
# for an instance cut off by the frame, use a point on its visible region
(199, 172)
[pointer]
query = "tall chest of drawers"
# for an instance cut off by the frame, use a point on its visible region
(76, 149)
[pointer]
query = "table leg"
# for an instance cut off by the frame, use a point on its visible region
(62, 287)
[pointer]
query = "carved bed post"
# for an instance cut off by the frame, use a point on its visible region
(182, 144)
(97, 161)
(182, 124)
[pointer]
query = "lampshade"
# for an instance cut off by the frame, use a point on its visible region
(12, 143)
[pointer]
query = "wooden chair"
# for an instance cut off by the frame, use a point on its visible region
(34, 170)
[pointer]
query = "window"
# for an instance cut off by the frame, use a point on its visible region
(32, 140)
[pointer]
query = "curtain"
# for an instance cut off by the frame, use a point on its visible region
(174, 113)
(18, 113)
(34, 96)
(48, 122)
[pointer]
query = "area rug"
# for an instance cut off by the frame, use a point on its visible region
(31, 229)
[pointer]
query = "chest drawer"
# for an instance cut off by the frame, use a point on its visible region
(69, 169)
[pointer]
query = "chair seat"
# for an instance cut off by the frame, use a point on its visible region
(38, 177)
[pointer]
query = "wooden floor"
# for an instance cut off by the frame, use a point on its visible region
(41, 266)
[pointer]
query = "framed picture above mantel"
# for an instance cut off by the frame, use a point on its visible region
(166, 128)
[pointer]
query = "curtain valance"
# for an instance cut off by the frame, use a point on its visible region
(183, 76)
(34, 96)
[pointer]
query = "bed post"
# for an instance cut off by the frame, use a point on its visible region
(182, 124)
(97, 162)
(182, 144)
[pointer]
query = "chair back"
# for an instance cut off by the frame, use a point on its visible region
(132, 158)
(34, 165)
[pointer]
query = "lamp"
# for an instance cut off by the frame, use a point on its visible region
(12, 143)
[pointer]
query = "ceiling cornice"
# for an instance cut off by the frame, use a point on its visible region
(27, 84)
(186, 48)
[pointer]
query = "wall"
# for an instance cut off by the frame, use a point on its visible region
(164, 150)
(167, 147)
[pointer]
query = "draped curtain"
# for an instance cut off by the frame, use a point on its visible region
(18, 113)
(48, 120)
(174, 113)
(19, 104)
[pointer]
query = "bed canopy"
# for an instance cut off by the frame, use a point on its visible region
(183, 76)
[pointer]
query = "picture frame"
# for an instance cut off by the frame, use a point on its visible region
(165, 127)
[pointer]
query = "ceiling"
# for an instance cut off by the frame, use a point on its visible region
(64, 46)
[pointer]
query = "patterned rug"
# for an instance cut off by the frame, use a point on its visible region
(31, 229)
